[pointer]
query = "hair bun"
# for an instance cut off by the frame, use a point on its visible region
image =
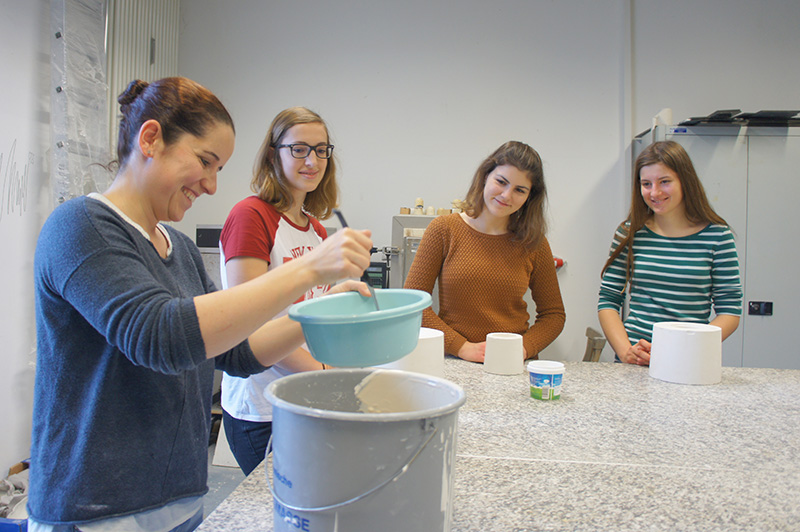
(134, 89)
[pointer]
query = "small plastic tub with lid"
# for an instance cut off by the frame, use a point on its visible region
(545, 378)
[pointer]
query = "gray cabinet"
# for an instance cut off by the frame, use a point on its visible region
(752, 178)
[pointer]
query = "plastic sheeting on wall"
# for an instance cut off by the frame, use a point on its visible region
(79, 117)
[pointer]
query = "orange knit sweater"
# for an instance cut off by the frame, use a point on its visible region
(482, 280)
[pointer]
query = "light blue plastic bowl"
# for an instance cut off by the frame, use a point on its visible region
(345, 330)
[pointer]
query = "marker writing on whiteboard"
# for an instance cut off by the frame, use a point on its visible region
(14, 189)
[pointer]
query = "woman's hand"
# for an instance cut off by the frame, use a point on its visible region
(345, 254)
(639, 353)
(617, 336)
(350, 286)
(473, 352)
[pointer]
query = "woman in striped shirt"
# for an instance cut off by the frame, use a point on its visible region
(674, 254)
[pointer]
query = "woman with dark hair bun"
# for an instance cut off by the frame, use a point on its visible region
(130, 327)
(674, 255)
(488, 257)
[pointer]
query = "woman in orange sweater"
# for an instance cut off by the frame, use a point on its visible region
(487, 257)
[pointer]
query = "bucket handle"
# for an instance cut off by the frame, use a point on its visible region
(357, 498)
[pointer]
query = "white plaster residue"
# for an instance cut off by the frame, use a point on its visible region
(384, 392)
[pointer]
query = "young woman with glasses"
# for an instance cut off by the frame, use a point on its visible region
(294, 181)
(487, 258)
(674, 255)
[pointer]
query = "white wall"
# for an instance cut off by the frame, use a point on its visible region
(418, 93)
(24, 115)
(699, 57)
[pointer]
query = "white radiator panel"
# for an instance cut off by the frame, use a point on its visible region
(142, 44)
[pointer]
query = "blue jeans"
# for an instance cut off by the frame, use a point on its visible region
(190, 524)
(247, 440)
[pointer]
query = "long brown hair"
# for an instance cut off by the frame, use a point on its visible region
(528, 224)
(697, 208)
(269, 181)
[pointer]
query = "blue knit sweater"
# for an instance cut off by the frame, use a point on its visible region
(122, 398)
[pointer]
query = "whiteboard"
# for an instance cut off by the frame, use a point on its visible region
(24, 112)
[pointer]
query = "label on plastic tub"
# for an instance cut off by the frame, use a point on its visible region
(545, 379)
(545, 386)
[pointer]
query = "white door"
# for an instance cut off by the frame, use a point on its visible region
(773, 251)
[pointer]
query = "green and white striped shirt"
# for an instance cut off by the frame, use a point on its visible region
(674, 279)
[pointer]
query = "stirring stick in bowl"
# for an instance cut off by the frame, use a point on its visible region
(343, 222)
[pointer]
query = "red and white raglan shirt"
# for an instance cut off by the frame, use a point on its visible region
(254, 228)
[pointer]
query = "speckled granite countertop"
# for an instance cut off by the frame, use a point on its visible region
(618, 451)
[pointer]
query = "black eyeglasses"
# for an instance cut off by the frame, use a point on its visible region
(301, 151)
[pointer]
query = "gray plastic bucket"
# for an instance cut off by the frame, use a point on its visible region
(363, 450)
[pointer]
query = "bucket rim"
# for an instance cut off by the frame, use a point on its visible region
(459, 398)
(296, 310)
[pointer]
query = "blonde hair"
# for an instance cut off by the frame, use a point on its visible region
(269, 181)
